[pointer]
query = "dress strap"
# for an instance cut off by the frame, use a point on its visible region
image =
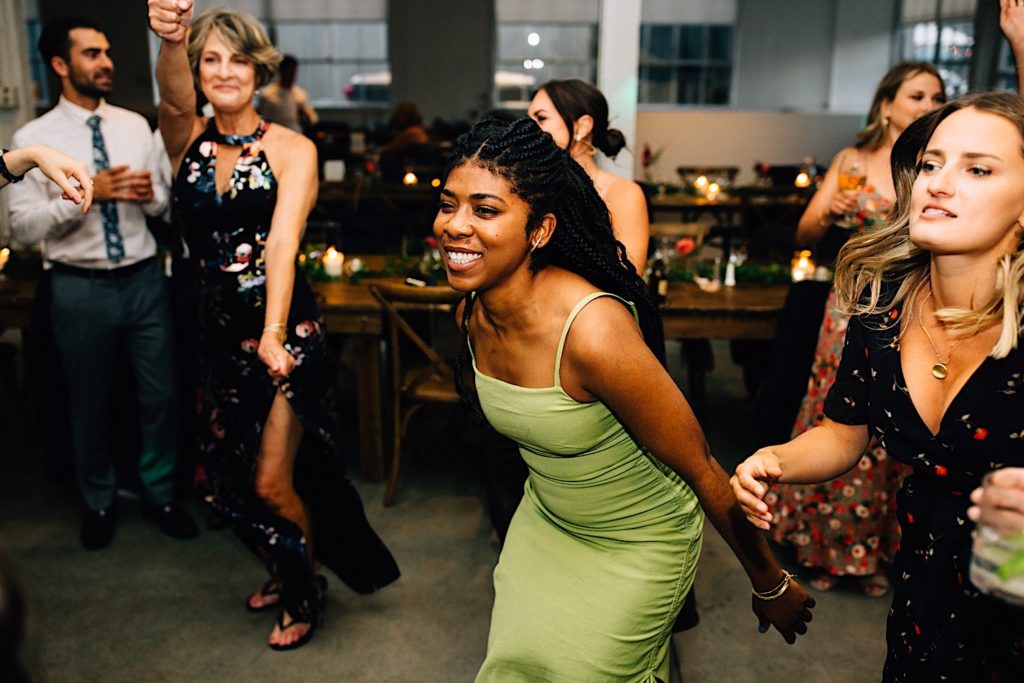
(572, 316)
(234, 140)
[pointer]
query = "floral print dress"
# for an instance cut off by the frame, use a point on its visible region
(940, 627)
(846, 526)
(226, 234)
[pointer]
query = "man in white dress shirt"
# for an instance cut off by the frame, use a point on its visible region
(109, 302)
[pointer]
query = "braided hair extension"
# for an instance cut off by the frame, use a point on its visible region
(550, 181)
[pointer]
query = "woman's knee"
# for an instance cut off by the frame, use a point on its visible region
(272, 489)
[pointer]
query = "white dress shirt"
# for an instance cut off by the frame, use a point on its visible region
(38, 214)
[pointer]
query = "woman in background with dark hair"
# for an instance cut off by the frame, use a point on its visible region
(568, 352)
(575, 114)
(284, 102)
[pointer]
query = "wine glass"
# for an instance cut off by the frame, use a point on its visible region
(853, 175)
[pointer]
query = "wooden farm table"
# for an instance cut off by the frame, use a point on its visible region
(746, 311)
(743, 312)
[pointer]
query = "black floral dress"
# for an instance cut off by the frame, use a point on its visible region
(940, 627)
(226, 234)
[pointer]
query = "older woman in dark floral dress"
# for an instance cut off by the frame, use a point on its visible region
(243, 190)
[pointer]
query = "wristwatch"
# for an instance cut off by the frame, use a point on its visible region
(5, 172)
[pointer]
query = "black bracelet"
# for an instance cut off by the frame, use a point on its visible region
(5, 172)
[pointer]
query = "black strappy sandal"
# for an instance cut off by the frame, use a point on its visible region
(304, 615)
(273, 588)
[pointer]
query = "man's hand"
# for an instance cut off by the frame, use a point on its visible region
(170, 19)
(123, 185)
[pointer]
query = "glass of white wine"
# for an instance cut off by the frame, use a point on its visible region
(853, 175)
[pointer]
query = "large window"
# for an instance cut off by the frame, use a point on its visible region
(685, 63)
(940, 32)
(531, 53)
(340, 62)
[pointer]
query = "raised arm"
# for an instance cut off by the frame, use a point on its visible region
(1011, 21)
(827, 205)
(608, 361)
(296, 195)
(177, 118)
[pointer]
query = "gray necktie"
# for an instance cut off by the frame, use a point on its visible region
(111, 233)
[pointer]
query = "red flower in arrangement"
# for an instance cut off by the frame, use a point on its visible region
(980, 434)
(941, 471)
(431, 242)
(685, 246)
(646, 155)
(917, 629)
(910, 518)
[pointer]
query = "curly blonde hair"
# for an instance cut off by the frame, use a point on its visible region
(242, 33)
(887, 258)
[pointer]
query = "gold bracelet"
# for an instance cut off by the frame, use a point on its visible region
(277, 327)
(776, 592)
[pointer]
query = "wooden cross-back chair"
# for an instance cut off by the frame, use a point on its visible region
(414, 383)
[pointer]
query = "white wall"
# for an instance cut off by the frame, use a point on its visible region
(617, 72)
(442, 56)
(784, 54)
(739, 138)
(863, 52)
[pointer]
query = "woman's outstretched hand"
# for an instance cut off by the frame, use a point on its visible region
(279, 362)
(170, 19)
(750, 484)
(789, 613)
(62, 169)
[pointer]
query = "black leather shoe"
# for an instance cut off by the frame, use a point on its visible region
(98, 529)
(172, 520)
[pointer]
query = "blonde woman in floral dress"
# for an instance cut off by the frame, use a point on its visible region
(243, 188)
(847, 526)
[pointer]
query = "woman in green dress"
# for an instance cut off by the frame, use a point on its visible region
(567, 352)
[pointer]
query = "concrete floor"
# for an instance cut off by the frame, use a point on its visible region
(150, 608)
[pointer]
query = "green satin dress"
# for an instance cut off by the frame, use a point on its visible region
(602, 549)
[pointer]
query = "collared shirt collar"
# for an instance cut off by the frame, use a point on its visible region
(81, 114)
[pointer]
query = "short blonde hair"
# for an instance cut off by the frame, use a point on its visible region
(242, 33)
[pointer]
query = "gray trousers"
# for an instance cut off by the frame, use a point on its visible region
(99, 323)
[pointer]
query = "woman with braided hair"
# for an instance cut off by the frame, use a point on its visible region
(566, 350)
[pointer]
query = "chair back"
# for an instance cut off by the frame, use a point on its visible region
(428, 379)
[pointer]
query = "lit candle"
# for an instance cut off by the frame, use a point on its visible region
(5, 254)
(333, 260)
(701, 183)
(713, 190)
(802, 179)
(409, 178)
(802, 266)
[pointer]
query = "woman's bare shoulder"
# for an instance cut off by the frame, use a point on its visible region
(286, 148)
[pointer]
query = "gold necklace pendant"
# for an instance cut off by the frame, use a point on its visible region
(940, 371)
